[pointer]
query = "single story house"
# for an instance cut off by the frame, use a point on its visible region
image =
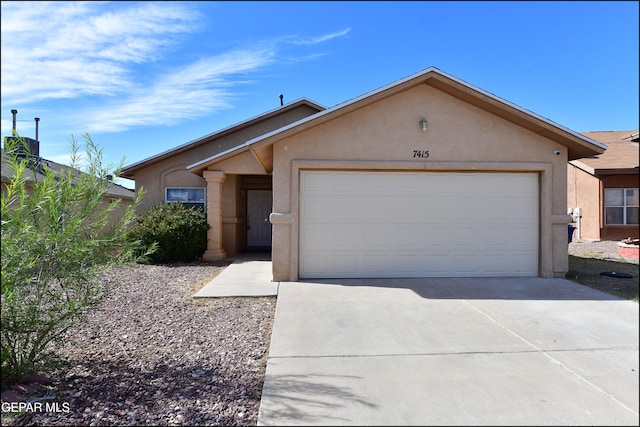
(29, 148)
(425, 177)
(115, 191)
(602, 190)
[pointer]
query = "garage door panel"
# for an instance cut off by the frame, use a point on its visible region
(345, 239)
(313, 238)
(314, 263)
(494, 264)
(437, 264)
(377, 264)
(436, 236)
(466, 263)
(405, 263)
(522, 237)
(522, 263)
(376, 238)
(491, 236)
(315, 209)
(345, 264)
(415, 224)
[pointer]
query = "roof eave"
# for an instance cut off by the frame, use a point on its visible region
(616, 171)
(578, 145)
(201, 165)
(129, 171)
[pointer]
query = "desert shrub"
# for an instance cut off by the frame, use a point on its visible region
(57, 243)
(180, 232)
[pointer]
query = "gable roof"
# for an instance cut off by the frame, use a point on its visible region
(621, 156)
(578, 145)
(129, 171)
(31, 174)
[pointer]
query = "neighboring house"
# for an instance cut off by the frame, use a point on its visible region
(36, 172)
(602, 190)
(428, 176)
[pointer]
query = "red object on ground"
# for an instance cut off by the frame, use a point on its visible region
(628, 251)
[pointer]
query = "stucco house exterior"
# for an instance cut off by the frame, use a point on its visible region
(425, 177)
(602, 190)
(115, 191)
(35, 173)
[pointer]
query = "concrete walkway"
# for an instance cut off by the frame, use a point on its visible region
(249, 275)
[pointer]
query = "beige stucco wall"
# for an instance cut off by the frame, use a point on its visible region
(118, 212)
(114, 216)
(384, 135)
(587, 192)
(583, 191)
(167, 173)
(172, 172)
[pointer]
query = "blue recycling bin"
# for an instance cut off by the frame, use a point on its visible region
(570, 230)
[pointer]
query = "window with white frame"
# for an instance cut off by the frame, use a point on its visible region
(621, 206)
(191, 196)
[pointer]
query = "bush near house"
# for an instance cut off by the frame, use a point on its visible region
(57, 240)
(180, 232)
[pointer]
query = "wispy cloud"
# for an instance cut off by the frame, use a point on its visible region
(93, 52)
(53, 50)
(190, 92)
(319, 39)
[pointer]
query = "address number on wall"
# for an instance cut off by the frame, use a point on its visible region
(421, 153)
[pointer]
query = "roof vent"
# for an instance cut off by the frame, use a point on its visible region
(22, 145)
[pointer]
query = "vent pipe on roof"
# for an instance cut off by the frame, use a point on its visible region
(37, 119)
(281, 99)
(14, 112)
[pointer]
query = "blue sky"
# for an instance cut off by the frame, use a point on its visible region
(143, 77)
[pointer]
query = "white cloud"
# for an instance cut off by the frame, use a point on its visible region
(68, 49)
(321, 38)
(94, 52)
(189, 92)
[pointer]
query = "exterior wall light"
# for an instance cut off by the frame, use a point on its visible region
(423, 124)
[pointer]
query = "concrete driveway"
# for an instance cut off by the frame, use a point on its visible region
(451, 352)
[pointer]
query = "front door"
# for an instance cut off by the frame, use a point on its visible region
(258, 211)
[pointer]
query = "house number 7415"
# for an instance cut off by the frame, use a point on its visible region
(421, 153)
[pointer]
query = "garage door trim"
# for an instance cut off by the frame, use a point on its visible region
(543, 169)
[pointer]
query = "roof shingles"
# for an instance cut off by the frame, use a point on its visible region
(621, 155)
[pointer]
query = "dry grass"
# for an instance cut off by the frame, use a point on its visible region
(586, 271)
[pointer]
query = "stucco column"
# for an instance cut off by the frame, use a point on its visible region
(214, 250)
(281, 256)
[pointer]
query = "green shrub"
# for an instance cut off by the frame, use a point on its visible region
(57, 243)
(180, 232)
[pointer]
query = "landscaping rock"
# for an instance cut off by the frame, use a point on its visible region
(152, 355)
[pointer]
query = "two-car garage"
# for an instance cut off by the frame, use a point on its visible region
(417, 224)
(425, 177)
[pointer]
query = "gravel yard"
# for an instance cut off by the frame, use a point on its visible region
(602, 249)
(151, 355)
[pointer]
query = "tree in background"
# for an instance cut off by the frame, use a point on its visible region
(57, 243)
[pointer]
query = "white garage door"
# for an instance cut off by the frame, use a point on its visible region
(418, 224)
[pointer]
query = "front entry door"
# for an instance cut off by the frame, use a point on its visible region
(258, 210)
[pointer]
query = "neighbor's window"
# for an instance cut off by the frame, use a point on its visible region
(621, 206)
(192, 197)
